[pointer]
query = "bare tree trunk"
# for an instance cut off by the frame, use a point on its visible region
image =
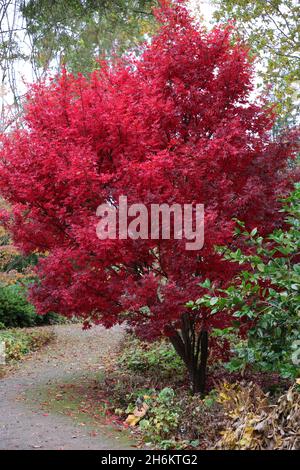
(192, 347)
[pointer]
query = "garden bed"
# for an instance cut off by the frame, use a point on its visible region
(21, 341)
(146, 388)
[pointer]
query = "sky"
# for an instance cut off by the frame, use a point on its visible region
(204, 7)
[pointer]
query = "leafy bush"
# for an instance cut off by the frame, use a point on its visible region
(162, 418)
(21, 342)
(157, 358)
(266, 296)
(175, 419)
(16, 311)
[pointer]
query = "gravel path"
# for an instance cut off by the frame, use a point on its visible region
(23, 421)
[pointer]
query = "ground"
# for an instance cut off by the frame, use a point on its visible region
(35, 409)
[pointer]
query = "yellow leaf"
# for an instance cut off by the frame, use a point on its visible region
(132, 420)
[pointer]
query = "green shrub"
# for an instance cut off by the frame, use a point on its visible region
(16, 311)
(266, 294)
(178, 420)
(273, 285)
(162, 418)
(158, 358)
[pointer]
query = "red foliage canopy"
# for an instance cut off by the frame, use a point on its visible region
(175, 124)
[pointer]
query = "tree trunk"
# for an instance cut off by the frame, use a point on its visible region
(192, 347)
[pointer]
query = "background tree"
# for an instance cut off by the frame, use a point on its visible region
(75, 33)
(38, 37)
(271, 27)
(176, 124)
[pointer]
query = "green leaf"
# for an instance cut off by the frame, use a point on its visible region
(213, 301)
(261, 267)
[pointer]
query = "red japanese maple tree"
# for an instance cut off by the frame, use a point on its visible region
(175, 124)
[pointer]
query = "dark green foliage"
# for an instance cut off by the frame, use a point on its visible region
(16, 311)
(161, 421)
(151, 358)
